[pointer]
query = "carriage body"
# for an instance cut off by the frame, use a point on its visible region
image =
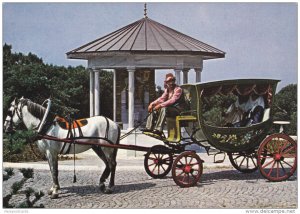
(248, 147)
(229, 139)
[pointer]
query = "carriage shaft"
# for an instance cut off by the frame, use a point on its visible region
(109, 144)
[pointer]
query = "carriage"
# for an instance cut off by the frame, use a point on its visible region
(249, 148)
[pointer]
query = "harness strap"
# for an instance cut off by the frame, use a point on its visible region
(70, 135)
(107, 127)
(79, 128)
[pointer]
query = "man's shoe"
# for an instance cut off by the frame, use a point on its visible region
(157, 132)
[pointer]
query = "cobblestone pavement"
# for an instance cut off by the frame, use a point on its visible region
(218, 188)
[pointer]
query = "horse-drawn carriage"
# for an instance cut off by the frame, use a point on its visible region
(249, 148)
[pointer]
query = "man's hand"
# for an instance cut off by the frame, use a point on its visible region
(150, 107)
(157, 107)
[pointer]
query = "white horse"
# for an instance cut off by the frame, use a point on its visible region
(31, 114)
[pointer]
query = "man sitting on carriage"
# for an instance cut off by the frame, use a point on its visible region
(170, 104)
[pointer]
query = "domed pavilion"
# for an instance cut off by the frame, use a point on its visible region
(134, 53)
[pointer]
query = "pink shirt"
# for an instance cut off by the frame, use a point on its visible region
(169, 98)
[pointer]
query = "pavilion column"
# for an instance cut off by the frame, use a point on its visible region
(97, 93)
(185, 76)
(198, 74)
(92, 77)
(115, 96)
(130, 97)
(177, 76)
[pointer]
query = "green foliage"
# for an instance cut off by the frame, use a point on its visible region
(286, 107)
(18, 140)
(68, 88)
(28, 76)
(17, 186)
(286, 99)
(30, 152)
(19, 146)
(9, 172)
(27, 173)
(214, 106)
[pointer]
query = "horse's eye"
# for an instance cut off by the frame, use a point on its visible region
(9, 113)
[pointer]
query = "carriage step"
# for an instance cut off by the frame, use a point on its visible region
(222, 158)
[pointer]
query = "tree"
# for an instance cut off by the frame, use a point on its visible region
(68, 88)
(286, 107)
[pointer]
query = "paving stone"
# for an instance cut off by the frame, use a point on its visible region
(218, 188)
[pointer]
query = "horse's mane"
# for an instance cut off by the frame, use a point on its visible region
(35, 109)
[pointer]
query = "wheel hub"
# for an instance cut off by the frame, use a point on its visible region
(187, 169)
(277, 157)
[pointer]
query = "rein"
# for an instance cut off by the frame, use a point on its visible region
(138, 125)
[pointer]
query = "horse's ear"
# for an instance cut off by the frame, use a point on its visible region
(14, 101)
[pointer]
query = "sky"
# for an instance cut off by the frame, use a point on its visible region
(260, 39)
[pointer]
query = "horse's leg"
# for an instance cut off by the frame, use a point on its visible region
(111, 156)
(53, 163)
(106, 171)
(112, 165)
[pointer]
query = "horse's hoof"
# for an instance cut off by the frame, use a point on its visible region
(108, 191)
(54, 196)
(102, 187)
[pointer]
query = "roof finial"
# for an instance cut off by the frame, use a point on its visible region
(145, 10)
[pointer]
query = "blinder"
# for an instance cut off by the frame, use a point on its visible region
(12, 127)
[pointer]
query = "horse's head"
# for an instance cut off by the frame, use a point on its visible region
(14, 115)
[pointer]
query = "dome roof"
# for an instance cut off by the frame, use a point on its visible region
(148, 37)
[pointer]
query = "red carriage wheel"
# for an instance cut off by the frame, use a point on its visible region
(158, 164)
(280, 153)
(245, 162)
(187, 169)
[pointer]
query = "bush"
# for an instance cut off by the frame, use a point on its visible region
(29, 192)
(20, 147)
(285, 108)
(27, 173)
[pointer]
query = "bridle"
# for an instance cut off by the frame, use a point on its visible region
(11, 114)
(18, 111)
